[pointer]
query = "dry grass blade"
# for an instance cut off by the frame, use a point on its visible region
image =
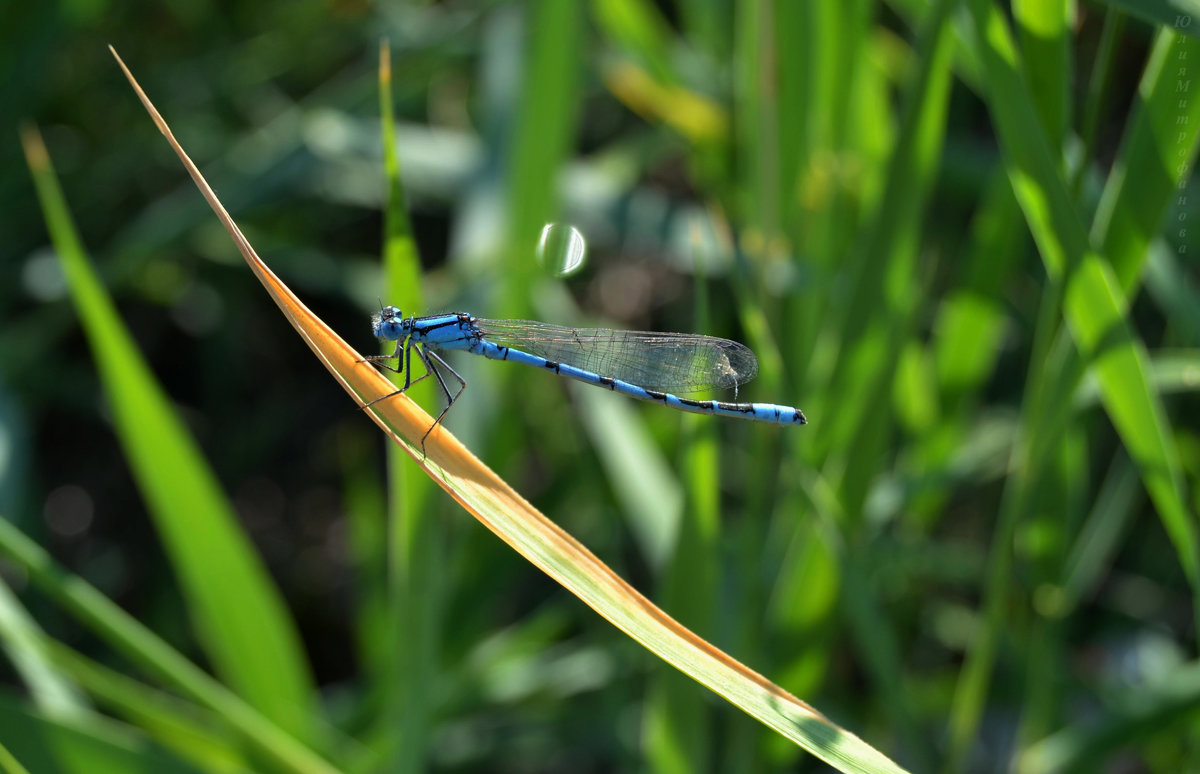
(495, 504)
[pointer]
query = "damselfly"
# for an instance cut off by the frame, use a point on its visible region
(647, 366)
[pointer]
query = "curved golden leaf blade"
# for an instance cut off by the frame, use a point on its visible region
(501, 509)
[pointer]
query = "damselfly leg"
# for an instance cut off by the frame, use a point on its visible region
(426, 355)
(406, 369)
(428, 359)
(380, 360)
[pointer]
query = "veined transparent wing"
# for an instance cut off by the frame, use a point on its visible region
(669, 362)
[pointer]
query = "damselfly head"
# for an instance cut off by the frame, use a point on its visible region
(389, 323)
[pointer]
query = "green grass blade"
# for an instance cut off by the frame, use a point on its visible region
(757, 130)
(644, 484)
(1167, 283)
(364, 500)
(89, 744)
(705, 26)
(53, 692)
(840, 47)
(914, 393)
(1170, 372)
(543, 136)
(884, 297)
(190, 732)
(235, 607)
(673, 718)
(1093, 303)
(876, 642)
(1043, 28)
(1098, 88)
(968, 332)
(401, 261)
(803, 607)
(1044, 536)
(1166, 709)
(414, 535)
(1177, 14)
(149, 652)
(794, 87)
(972, 319)
(1042, 427)
(1100, 537)
(884, 294)
(1156, 153)
(639, 30)
(1094, 307)
(1121, 367)
(9, 763)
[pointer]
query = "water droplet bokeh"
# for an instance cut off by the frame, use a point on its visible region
(561, 250)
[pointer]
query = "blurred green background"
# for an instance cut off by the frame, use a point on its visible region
(960, 236)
